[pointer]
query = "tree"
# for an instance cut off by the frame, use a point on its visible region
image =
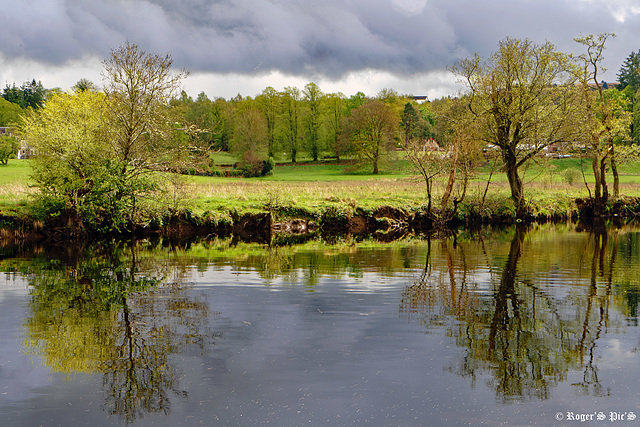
(409, 123)
(313, 97)
(8, 147)
(456, 154)
(291, 120)
(269, 103)
(371, 129)
(629, 78)
(99, 154)
(84, 84)
(335, 103)
(522, 97)
(14, 95)
(629, 74)
(603, 120)
(250, 141)
(208, 120)
(138, 87)
(30, 94)
(70, 168)
(355, 100)
(9, 113)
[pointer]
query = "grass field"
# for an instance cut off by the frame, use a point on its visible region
(315, 187)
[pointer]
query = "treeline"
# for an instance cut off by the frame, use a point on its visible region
(100, 151)
(295, 124)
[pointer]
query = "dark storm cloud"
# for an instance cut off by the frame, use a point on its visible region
(327, 37)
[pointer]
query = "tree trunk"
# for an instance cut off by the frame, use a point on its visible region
(515, 183)
(616, 176)
(452, 178)
(595, 165)
(601, 191)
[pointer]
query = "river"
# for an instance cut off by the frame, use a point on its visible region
(529, 325)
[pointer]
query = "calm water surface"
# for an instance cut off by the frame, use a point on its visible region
(515, 327)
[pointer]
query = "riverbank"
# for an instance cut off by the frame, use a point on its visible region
(286, 223)
(309, 198)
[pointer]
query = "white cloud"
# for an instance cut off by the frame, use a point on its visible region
(61, 76)
(434, 84)
(242, 46)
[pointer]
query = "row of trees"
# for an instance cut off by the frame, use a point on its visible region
(522, 99)
(99, 152)
(292, 123)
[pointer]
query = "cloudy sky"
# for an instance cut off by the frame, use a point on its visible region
(243, 46)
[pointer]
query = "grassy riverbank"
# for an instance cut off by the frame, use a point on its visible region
(306, 188)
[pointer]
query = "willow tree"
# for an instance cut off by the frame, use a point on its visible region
(523, 99)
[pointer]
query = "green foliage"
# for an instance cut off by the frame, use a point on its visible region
(100, 157)
(629, 74)
(9, 113)
(522, 97)
(8, 148)
(313, 119)
(30, 94)
(83, 85)
(371, 130)
(79, 181)
(570, 175)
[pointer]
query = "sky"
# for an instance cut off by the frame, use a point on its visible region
(243, 46)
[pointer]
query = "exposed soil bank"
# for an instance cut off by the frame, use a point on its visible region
(285, 226)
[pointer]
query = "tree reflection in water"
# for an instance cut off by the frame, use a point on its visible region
(107, 310)
(526, 334)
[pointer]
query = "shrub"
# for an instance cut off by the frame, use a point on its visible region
(570, 175)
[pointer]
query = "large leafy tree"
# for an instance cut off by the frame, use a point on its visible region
(70, 168)
(251, 141)
(9, 113)
(370, 130)
(522, 96)
(269, 103)
(100, 156)
(336, 108)
(313, 98)
(291, 117)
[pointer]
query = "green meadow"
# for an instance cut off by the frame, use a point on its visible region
(551, 186)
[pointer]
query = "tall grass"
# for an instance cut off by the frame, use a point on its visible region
(314, 187)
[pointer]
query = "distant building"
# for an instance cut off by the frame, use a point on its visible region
(420, 98)
(24, 152)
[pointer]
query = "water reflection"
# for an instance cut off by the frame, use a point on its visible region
(511, 316)
(102, 309)
(520, 314)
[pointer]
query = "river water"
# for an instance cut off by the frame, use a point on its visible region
(520, 326)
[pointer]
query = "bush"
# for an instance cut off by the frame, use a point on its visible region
(570, 175)
(8, 148)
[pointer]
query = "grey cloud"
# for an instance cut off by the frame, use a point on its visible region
(329, 37)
